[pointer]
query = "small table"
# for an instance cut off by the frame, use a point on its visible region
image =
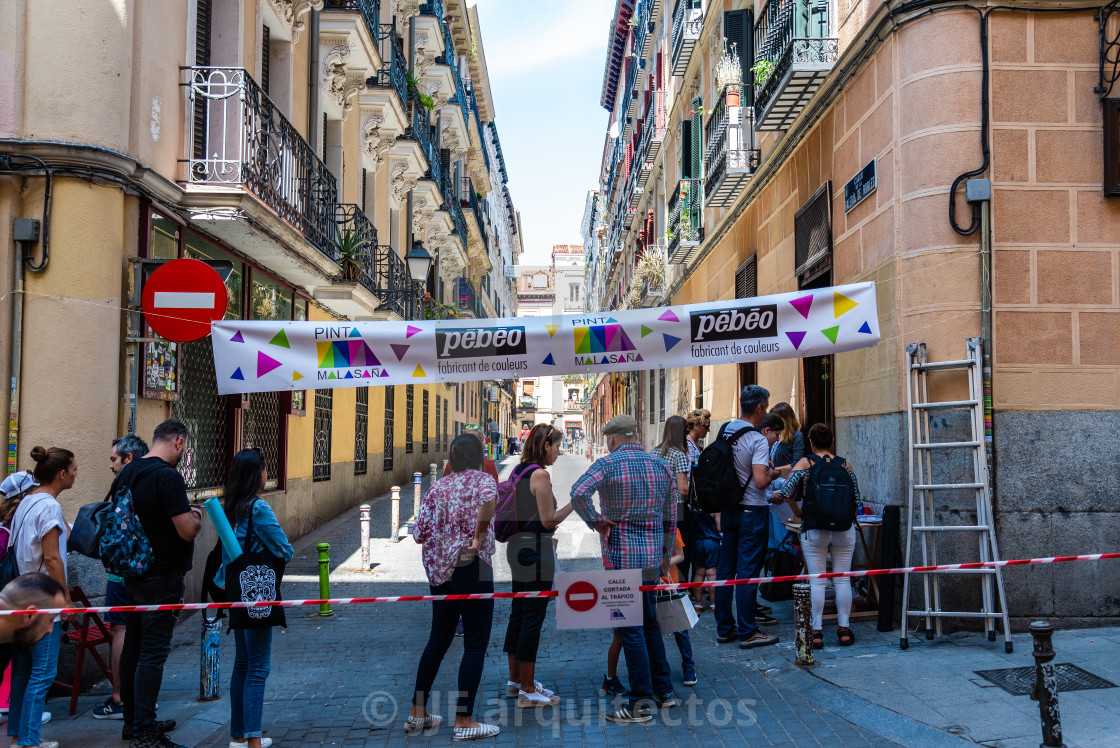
(871, 608)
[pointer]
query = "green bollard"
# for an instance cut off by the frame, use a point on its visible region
(325, 578)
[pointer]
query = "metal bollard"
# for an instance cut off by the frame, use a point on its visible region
(324, 578)
(432, 473)
(363, 514)
(1046, 685)
(803, 623)
(415, 495)
(209, 675)
(395, 521)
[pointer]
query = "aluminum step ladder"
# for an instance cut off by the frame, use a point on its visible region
(925, 522)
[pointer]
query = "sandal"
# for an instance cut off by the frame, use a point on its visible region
(845, 637)
(818, 639)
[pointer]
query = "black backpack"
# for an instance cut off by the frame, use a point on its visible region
(830, 496)
(715, 484)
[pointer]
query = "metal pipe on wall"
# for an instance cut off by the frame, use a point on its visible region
(16, 358)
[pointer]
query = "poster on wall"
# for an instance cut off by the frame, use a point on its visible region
(264, 356)
(161, 369)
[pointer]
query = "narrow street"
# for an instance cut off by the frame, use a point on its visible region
(346, 680)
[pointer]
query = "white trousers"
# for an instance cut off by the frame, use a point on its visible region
(816, 545)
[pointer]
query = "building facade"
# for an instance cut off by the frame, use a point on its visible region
(307, 146)
(770, 147)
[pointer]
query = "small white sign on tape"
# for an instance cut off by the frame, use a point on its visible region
(599, 599)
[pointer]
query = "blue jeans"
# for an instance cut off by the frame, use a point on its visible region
(647, 666)
(684, 644)
(741, 554)
(246, 690)
(32, 674)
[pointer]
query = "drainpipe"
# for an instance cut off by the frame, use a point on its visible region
(313, 80)
(17, 344)
(980, 191)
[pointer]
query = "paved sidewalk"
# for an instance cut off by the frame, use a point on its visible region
(346, 680)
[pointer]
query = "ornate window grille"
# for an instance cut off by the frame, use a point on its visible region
(206, 414)
(408, 413)
(390, 404)
(261, 429)
(361, 429)
(324, 412)
(424, 423)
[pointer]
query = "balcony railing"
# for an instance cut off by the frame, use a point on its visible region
(394, 73)
(469, 301)
(729, 160)
(794, 38)
(468, 198)
(370, 10)
(378, 267)
(240, 138)
(688, 20)
(457, 220)
(685, 214)
(421, 131)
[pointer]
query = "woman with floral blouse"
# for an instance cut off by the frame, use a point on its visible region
(458, 542)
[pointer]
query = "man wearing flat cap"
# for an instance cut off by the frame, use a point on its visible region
(638, 520)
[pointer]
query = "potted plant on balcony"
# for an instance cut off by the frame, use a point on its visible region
(762, 70)
(348, 246)
(427, 102)
(729, 73)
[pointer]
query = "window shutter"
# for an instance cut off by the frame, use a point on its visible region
(686, 149)
(812, 230)
(746, 279)
(697, 134)
(738, 27)
(364, 180)
(201, 59)
(266, 49)
(445, 162)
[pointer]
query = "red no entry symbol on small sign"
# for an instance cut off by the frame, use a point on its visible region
(581, 597)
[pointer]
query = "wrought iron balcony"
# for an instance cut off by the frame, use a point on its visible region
(685, 217)
(375, 266)
(468, 198)
(688, 20)
(469, 302)
(421, 131)
(729, 160)
(394, 74)
(240, 139)
(653, 133)
(793, 38)
(457, 220)
(370, 11)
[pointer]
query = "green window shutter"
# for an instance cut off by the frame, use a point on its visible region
(697, 148)
(686, 149)
(738, 27)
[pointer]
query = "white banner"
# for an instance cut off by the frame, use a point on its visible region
(270, 356)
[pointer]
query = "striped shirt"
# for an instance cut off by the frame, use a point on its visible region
(638, 492)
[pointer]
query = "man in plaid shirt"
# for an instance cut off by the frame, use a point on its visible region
(639, 522)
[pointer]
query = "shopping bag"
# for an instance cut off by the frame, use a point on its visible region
(674, 612)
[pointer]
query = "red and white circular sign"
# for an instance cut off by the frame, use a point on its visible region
(181, 298)
(581, 596)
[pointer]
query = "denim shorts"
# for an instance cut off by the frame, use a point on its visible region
(705, 553)
(117, 594)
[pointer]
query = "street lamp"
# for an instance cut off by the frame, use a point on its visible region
(419, 262)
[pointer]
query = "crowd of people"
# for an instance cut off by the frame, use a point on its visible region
(648, 519)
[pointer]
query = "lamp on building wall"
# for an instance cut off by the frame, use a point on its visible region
(419, 262)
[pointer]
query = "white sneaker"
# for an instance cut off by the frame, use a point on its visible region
(46, 719)
(513, 689)
(474, 733)
(265, 743)
(536, 699)
(48, 744)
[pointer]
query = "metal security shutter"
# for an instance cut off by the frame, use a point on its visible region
(408, 414)
(260, 429)
(361, 429)
(746, 279)
(738, 28)
(812, 229)
(203, 18)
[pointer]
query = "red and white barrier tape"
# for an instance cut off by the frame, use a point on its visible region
(553, 593)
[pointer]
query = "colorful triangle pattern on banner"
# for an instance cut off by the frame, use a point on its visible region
(865, 328)
(551, 329)
(802, 305)
(796, 338)
(668, 316)
(237, 338)
(670, 341)
(339, 354)
(296, 376)
(265, 364)
(419, 372)
(355, 333)
(410, 331)
(280, 339)
(549, 360)
(399, 350)
(841, 304)
(237, 374)
(646, 331)
(831, 333)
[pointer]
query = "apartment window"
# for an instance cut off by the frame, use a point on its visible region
(408, 413)
(424, 422)
(573, 292)
(812, 231)
(746, 287)
(324, 413)
(390, 404)
(361, 429)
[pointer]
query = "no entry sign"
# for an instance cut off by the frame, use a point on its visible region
(599, 599)
(182, 298)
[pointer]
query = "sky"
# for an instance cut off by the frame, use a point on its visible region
(545, 61)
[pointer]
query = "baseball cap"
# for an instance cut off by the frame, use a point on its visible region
(623, 424)
(17, 483)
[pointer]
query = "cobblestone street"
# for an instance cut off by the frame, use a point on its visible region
(345, 680)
